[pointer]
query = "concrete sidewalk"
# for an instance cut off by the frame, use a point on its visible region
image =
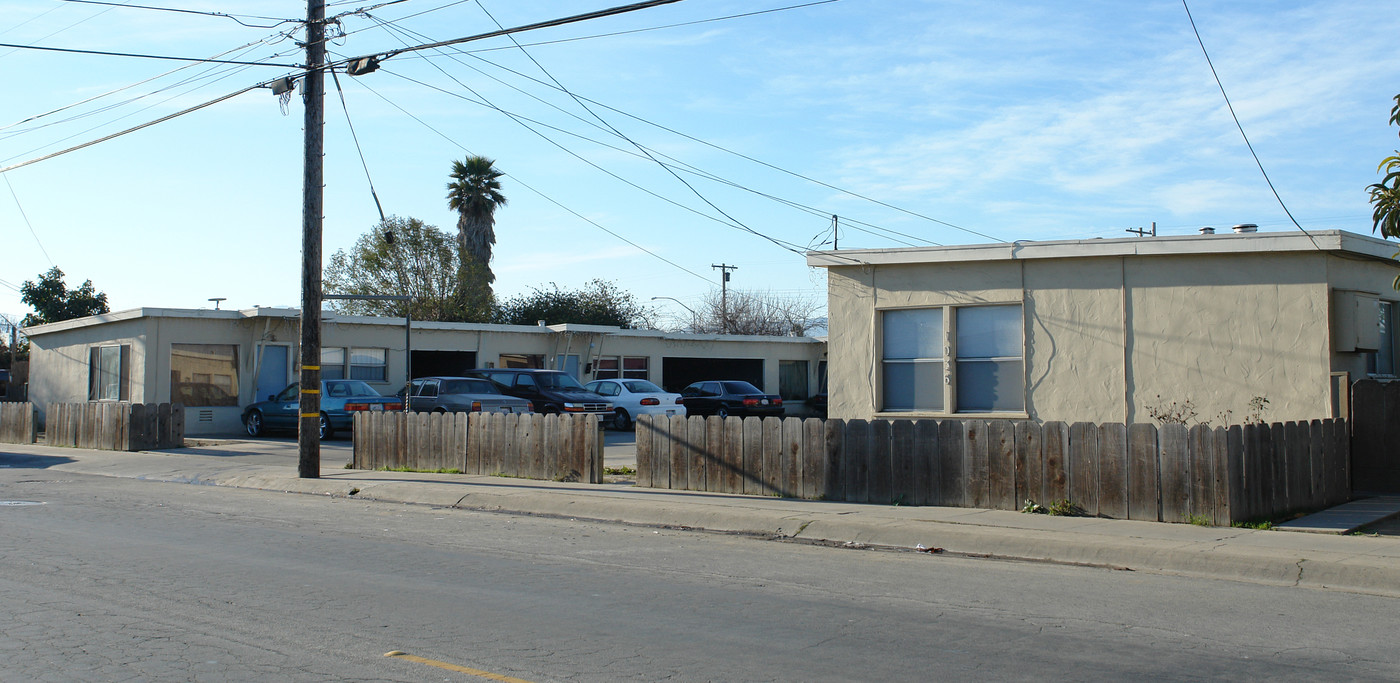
(1363, 564)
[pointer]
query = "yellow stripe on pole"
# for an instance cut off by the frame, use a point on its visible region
(454, 667)
(310, 414)
(310, 367)
(310, 391)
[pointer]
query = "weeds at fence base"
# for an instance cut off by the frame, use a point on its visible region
(1059, 508)
(440, 470)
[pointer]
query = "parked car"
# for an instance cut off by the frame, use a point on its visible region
(462, 395)
(340, 400)
(817, 403)
(730, 397)
(551, 391)
(633, 397)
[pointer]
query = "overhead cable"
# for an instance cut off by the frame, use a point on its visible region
(234, 17)
(1240, 126)
(145, 56)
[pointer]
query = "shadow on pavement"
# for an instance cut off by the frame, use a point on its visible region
(36, 462)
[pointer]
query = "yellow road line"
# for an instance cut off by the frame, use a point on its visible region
(454, 667)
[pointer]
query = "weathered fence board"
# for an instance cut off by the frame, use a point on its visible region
(1143, 481)
(1168, 473)
(1001, 464)
(18, 423)
(562, 448)
(115, 426)
(1084, 467)
(1113, 471)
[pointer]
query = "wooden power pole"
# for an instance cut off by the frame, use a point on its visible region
(314, 95)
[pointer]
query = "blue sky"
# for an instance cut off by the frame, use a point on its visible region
(1010, 121)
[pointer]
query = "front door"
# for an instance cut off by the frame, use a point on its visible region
(272, 371)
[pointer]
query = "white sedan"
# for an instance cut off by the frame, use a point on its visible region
(633, 397)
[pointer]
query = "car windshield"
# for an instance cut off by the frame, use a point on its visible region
(740, 388)
(641, 386)
(557, 380)
(349, 387)
(468, 386)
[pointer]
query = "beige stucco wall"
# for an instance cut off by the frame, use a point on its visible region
(1108, 338)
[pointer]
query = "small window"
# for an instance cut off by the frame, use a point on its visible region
(107, 373)
(606, 367)
(792, 380)
(636, 367)
(913, 359)
(370, 365)
(989, 367)
(429, 390)
(332, 363)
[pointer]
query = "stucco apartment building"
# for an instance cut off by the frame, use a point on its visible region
(1111, 330)
(216, 362)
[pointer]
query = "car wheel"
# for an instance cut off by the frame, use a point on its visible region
(621, 421)
(721, 412)
(254, 424)
(324, 428)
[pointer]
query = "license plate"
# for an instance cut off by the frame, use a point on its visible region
(670, 412)
(376, 407)
(505, 409)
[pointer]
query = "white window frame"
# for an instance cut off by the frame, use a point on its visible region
(950, 359)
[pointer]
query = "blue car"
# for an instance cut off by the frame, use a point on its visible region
(340, 400)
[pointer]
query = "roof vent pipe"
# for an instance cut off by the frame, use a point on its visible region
(1244, 228)
(540, 323)
(1207, 230)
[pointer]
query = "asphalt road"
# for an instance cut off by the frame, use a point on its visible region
(115, 580)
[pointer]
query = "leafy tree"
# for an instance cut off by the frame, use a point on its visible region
(599, 302)
(52, 301)
(761, 313)
(1385, 195)
(475, 193)
(422, 262)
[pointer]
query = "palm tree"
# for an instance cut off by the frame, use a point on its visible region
(474, 193)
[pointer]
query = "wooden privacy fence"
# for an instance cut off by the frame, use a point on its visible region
(115, 426)
(17, 424)
(1170, 473)
(532, 446)
(1375, 436)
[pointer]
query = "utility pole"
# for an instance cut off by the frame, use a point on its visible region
(724, 295)
(314, 95)
(835, 232)
(1144, 233)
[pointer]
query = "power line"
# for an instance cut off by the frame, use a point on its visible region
(133, 129)
(133, 85)
(750, 158)
(1238, 125)
(234, 17)
(531, 188)
(26, 220)
(144, 56)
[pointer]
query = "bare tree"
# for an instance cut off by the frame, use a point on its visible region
(759, 313)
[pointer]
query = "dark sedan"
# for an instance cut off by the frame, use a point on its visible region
(730, 397)
(340, 400)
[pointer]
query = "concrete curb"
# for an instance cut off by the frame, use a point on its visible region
(1353, 564)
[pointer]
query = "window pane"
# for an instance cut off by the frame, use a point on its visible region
(367, 356)
(204, 374)
(635, 367)
(1385, 354)
(109, 373)
(989, 332)
(332, 363)
(792, 380)
(990, 386)
(915, 333)
(367, 373)
(913, 386)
